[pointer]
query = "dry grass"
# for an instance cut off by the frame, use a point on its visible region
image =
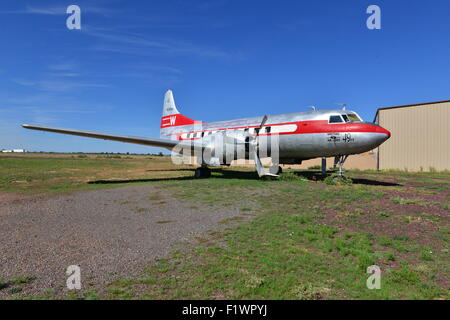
(41, 173)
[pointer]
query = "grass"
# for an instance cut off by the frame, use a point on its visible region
(15, 284)
(292, 251)
(385, 214)
(306, 239)
(403, 201)
(66, 173)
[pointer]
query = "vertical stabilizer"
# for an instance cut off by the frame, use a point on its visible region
(169, 104)
(171, 117)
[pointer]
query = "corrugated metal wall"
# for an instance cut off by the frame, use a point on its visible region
(420, 137)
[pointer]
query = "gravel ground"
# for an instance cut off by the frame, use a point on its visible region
(108, 233)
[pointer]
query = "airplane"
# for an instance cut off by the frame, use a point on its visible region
(286, 138)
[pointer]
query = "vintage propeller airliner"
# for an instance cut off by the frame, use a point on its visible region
(286, 138)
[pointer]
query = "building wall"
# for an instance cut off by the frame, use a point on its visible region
(365, 161)
(420, 138)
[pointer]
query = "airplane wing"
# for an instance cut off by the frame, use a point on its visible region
(155, 142)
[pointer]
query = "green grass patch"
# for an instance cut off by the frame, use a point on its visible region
(15, 283)
(286, 251)
(404, 201)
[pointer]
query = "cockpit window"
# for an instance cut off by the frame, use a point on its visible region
(345, 117)
(335, 119)
(353, 117)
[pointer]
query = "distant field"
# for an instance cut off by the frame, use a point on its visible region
(306, 239)
(42, 173)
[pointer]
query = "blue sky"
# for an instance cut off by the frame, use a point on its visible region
(223, 59)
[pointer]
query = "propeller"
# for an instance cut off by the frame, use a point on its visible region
(263, 122)
(255, 144)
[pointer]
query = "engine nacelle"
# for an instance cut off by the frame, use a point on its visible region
(225, 146)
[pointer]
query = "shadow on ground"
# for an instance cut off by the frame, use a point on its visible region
(249, 175)
(319, 176)
(375, 183)
(167, 170)
(217, 173)
(139, 180)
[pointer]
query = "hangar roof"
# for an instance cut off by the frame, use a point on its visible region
(409, 105)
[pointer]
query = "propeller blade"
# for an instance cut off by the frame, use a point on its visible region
(259, 168)
(258, 164)
(263, 122)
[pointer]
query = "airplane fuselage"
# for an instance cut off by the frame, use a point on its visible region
(301, 135)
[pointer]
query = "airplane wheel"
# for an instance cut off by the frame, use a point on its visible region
(276, 170)
(202, 173)
(198, 173)
(206, 172)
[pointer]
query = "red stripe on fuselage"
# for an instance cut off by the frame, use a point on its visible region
(322, 126)
(304, 127)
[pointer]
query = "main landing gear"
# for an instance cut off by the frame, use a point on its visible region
(205, 172)
(202, 172)
(339, 161)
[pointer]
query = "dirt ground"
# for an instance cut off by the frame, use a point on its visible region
(107, 233)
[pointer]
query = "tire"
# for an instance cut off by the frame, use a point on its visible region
(206, 172)
(275, 170)
(202, 173)
(198, 173)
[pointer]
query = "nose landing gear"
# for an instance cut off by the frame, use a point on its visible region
(339, 161)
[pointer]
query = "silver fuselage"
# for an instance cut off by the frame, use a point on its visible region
(301, 135)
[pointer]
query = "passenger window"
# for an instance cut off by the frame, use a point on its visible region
(335, 119)
(267, 129)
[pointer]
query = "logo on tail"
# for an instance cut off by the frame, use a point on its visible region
(171, 121)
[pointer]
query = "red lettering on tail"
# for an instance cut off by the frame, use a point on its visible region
(176, 120)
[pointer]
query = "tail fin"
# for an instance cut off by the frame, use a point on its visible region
(169, 105)
(171, 117)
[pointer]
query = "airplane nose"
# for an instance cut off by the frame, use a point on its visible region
(384, 131)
